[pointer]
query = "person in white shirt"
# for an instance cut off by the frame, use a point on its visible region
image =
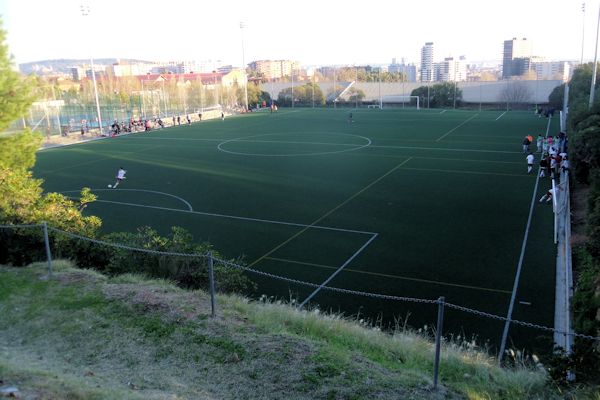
(120, 176)
(530, 159)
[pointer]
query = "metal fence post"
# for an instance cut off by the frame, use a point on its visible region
(48, 254)
(211, 278)
(438, 341)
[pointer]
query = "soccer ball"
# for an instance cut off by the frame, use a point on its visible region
(109, 186)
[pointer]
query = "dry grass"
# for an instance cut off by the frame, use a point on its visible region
(82, 335)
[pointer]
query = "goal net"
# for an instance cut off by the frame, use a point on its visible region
(399, 102)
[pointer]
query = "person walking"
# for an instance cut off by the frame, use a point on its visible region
(530, 159)
(526, 143)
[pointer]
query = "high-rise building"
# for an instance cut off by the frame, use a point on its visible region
(451, 70)
(409, 70)
(551, 70)
(516, 57)
(275, 69)
(427, 62)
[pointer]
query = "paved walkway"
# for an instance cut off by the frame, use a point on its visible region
(564, 276)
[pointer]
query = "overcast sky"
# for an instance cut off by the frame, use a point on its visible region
(314, 32)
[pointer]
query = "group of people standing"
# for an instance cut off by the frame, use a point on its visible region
(553, 159)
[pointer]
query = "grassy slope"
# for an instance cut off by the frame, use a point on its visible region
(84, 336)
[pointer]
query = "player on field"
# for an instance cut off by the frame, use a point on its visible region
(120, 176)
(530, 159)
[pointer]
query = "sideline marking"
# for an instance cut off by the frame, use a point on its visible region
(406, 278)
(327, 228)
(520, 263)
(329, 213)
(500, 116)
(467, 172)
(455, 128)
(135, 190)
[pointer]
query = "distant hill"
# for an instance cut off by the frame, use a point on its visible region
(63, 65)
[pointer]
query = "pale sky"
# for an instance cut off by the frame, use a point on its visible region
(314, 32)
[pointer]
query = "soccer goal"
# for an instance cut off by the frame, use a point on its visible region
(399, 102)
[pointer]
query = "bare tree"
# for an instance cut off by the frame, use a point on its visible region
(516, 92)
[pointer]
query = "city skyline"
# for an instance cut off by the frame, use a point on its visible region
(313, 33)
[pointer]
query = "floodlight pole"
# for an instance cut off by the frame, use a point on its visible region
(356, 90)
(582, 32)
(595, 64)
(242, 26)
(85, 11)
(313, 89)
(334, 95)
(380, 98)
(143, 100)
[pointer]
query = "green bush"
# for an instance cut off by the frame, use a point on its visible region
(188, 272)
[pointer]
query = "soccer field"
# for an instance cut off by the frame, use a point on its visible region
(411, 203)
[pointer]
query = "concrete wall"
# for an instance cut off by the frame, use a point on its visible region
(473, 92)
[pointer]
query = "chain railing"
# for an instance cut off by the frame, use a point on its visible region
(441, 303)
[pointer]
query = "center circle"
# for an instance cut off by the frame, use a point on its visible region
(347, 147)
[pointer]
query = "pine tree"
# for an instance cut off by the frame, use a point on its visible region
(16, 92)
(22, 199)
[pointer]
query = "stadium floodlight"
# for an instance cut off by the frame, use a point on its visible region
(85, 11)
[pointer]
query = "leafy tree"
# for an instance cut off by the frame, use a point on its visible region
(256, 95)
(21, 196)
(303, 95)
(440, 95)
(356, 95)
(556, 97)
(16, 93)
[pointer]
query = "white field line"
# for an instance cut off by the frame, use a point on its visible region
(238, 217)
(400, 277)
(189, 206)
(455, 128)
(328, 213)
(444, 149)
(500, 116)
(466, 172)
(337, 271)
(520, 263)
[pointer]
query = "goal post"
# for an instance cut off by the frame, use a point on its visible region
(400, 101)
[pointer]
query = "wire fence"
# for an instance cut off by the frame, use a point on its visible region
(209, 256)
(211, 260)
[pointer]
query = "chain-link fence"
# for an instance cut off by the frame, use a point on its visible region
(125, 101)
(211, 260)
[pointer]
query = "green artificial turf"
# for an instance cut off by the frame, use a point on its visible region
(446, 193)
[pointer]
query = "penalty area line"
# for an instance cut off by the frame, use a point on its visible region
(267, 221)
(348, 261)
